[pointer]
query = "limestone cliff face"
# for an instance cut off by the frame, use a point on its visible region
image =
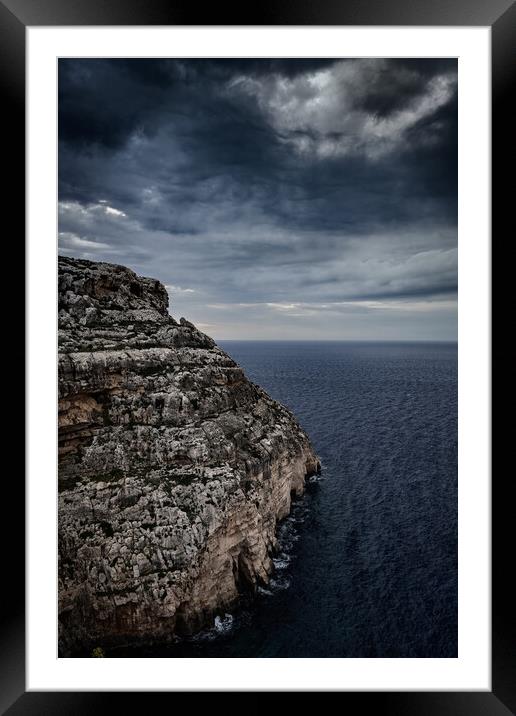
(174, 469)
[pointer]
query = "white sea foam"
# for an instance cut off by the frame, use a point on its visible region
(222, 626)
(279, 584)
(265, 592)
(281, 561)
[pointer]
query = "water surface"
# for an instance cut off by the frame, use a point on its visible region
(368, 561)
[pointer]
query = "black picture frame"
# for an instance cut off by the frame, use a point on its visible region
(500, 15)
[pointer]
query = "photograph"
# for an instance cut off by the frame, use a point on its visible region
(257, 357)
(265, 284)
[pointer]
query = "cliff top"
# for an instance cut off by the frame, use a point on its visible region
(105, 306)
(105, 285)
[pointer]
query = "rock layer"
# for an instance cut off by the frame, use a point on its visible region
(174, 469)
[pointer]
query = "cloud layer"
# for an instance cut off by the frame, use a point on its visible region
(274, 198)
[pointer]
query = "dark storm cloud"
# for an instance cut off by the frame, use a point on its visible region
(103, 102)
(257, 182)
(393, 86)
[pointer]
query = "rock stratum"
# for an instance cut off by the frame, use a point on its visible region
(174, 468)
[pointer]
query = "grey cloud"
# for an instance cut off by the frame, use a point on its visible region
(181, 171)
(347, 108)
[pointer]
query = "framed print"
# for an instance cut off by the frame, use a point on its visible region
(290, 488)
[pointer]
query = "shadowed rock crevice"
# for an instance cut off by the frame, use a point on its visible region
(174, 469)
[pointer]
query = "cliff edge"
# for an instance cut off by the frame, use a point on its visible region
(174, 469)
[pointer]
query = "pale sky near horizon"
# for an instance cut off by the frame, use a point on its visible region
(276, 199)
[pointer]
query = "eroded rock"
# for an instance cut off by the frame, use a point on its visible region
(174, 469)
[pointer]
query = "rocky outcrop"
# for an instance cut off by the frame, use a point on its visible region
(174, 469)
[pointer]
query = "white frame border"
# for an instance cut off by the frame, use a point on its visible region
(472, 669)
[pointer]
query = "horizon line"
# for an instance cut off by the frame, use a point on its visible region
(335, 340)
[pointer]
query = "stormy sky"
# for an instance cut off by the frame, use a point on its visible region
(276, 199)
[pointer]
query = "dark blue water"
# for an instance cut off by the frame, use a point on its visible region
(368, 561)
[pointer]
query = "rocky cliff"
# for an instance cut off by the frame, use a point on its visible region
(174, 469)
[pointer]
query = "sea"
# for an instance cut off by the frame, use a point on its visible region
(367, 560)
